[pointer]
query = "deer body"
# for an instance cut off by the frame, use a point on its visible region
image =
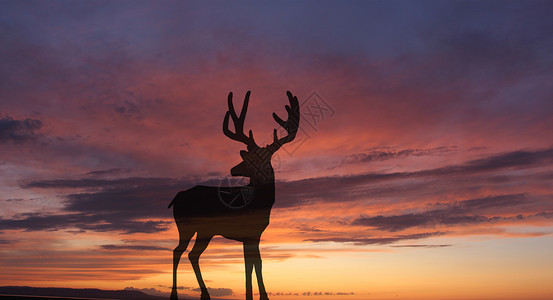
(216, 218)
(200, 211)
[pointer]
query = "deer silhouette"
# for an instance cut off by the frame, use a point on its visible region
(209, 211)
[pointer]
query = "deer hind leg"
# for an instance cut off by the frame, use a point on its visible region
(252, 257)
(199, 246)
(184, 239)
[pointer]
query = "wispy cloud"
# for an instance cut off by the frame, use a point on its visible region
(381, 155)
(334, 189)
(134, 247)
(217, 292)
(421, 246)
(19, 131)
(460, 213)
(83, 221)
(129, 204)
(378, 241)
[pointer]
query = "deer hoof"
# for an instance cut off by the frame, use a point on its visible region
(174, 295)
(205, 296)
(263, 297)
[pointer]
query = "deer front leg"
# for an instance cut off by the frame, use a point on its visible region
(259, 273)
(252, 258)
(248, 257)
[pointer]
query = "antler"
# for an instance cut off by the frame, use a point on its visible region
(291, 125)
(238, 135)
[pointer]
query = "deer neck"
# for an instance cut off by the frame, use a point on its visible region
(264, 190)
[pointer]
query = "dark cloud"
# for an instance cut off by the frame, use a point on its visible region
(421, 246)
(431, 219)
(309, 229)
(119, 204)
(99, 183)
(489, 202)
(113, 171)
(314, 294)
(134, 247)
(18, 131)
(460, 213)
(515, 159)
(217, 292)
(128, 109)
(377, 241)
(14, 200)
(360, 186)
(380, 155)
(118, 200)
(133, 198)
(547, 215)
(82, 221)
(151, 291)
(71, 293)
(106, 205)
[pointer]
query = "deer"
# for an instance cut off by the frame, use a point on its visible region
(208, 211)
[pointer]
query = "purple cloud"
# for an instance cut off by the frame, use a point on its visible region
(19, 131)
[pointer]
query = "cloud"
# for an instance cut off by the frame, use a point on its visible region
(547, 215)
(138, 204)
(315, 293)
(308, 229)
(64, 293)
(381, 155)
(360, 186)
(95, 222)
(98, 183)
(68, 263)
(519, 159)
(421, 246)
(134, 247)
(19, 131)
(217, 292)
(129, 109)
(128, 205)
(113, 171)
(377, 241)
(489, 202)
(150, 291)
(460, 213)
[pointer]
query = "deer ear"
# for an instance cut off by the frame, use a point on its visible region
(243, 154)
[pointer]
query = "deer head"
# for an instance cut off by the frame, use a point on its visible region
(256, 162)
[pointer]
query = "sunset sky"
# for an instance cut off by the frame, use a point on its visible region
(423, 168)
